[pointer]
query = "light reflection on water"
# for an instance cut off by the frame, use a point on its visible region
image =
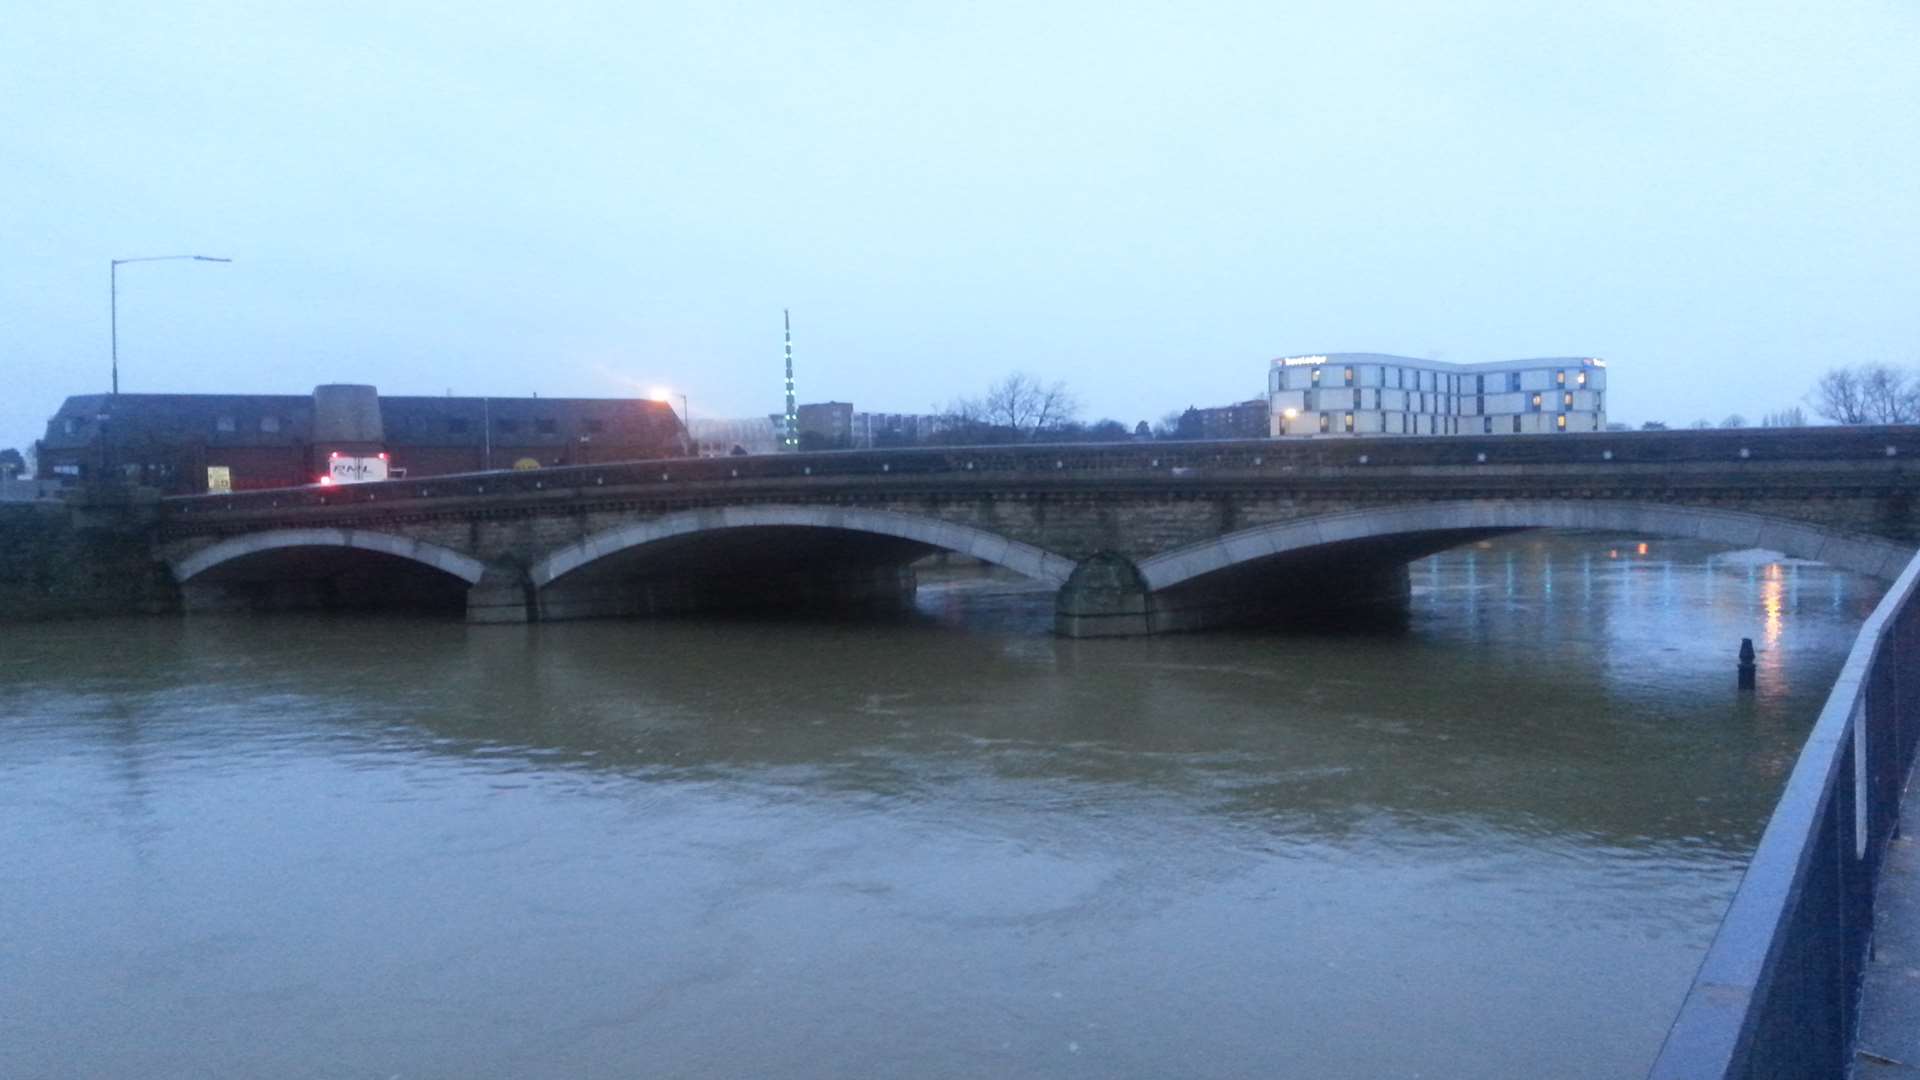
(947, 845)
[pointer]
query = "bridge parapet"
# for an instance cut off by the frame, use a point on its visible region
(1757, 453)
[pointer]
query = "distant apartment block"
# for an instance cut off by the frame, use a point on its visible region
(1357, 394)
(1242, 420)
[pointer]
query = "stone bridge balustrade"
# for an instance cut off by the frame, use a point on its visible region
(1140, 537)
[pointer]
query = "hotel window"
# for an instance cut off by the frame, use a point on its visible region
(1356, 397)
(1323, 423)
(1516, 423)
(1560, 378)
(1348, 423)
(1561, 421)
(1583, 378)
(1536, 403)
(1513, 381)
(1479, 404)
(1486, 425)
(1566, 399)
(1316, 376)
(1349, 376)
(1479, 384)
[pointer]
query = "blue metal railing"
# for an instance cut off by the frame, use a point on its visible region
(1778, 992)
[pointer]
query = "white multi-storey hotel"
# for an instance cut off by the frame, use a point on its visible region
(1376, 394)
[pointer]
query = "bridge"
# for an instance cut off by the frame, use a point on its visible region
(1137, 538)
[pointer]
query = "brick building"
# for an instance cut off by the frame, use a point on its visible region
(182, 443)
(1243, 420)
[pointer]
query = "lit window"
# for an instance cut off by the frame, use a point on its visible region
(1349, 376)
(1323, 422)
(1560, 378)
(1583, 378)
(1561, 421)
(1566, 399)
(1536, 403)
(1349, 423)
(1316, 376)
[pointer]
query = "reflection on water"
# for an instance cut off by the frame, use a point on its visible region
(949, 845)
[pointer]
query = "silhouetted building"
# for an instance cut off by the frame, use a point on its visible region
(187, 443)
(826, 425)
(1244, 420)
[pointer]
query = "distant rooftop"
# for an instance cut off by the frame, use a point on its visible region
(1347, 358)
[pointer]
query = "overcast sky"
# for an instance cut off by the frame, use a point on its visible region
(1146, 201)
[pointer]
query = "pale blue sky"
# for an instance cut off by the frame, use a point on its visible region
(1145, 200)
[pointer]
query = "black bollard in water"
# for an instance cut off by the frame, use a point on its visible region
(1746, 663)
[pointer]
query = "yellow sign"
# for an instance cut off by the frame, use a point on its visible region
(526, 463)
(219, 478)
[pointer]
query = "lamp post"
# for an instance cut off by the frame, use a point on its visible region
(666, 397)
(113, 299)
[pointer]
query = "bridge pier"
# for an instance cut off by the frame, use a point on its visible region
(502, 595)
(1108, 596)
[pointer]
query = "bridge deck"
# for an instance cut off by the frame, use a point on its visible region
(1889, 1042)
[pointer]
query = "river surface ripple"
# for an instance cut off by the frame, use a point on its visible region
(1493, 844)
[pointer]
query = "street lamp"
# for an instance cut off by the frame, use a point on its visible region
(114, 299)
(665, 396)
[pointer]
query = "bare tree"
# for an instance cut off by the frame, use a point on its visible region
(1839, 397)
(1793, 417)
(1868, 394)
(1025, 405)
(1701, 425)
(1734, 421)
(1892, 396)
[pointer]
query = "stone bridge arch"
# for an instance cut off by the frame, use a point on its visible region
(561, 579)
(280, 569)
(1451, 523)
(1359, 558)
(189, 567)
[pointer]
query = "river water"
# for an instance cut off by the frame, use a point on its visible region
(1493, 843)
